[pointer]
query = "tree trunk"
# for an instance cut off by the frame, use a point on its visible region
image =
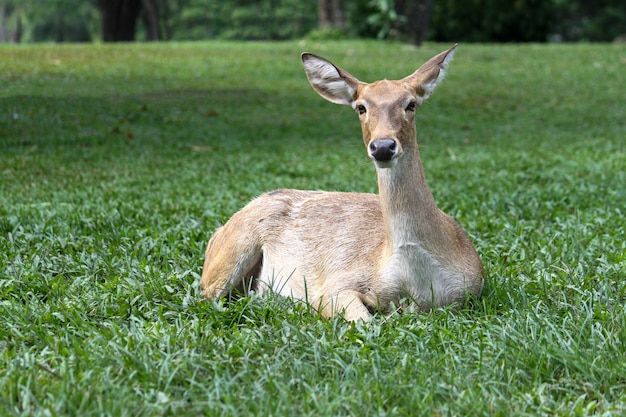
(324, 20)
(3, 25)
(119, 19)
(19, 29)
(339, 19)
(417, 13)
(150, 15)
(331, 14)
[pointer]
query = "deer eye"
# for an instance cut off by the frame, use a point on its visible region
(411, 106)
(360, 109)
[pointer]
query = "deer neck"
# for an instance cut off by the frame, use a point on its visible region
(410, 213)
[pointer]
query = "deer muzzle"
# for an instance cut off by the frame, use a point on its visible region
(383, 150)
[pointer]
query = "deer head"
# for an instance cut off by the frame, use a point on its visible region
(386, 108)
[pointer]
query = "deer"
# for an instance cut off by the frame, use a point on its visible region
(347, 253)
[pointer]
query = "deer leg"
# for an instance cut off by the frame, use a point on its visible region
(232, 256)
(346, 302)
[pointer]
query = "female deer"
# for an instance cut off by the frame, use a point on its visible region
(352, 253)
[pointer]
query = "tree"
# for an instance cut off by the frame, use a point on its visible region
(54, 20)
(331, 14)
(150, 17)
(120, 17)
(492, 20)
(417, 16)
(597, 21)
(10, 23)
(391, 19)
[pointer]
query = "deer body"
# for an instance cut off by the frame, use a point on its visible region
(350, 252)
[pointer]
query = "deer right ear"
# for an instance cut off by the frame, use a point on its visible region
(331, 82)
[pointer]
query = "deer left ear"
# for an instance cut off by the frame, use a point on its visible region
(429, 75)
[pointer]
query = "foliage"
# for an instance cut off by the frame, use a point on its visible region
(326, 34)
(117, 163)
(55, 20)
(602, 20)
(249, 20)
(492, 20)
(452, 20)
(527, 20)
(384, 18)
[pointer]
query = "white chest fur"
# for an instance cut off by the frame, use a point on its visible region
(418, 276)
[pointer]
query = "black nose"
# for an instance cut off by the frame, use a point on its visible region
(383, 149)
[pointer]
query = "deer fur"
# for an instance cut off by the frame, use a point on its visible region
(354, 253)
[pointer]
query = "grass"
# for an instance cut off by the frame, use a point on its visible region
(117, 163)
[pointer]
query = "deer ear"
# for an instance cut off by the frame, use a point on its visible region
(429, 75)
(331, 82)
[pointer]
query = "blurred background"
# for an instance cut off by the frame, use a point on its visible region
(414, 21)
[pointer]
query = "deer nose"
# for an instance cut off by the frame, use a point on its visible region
(383, 149)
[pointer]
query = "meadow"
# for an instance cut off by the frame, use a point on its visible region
(117, 162)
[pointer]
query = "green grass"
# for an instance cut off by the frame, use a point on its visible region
(118, 162)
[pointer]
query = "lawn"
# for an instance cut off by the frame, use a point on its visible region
(118, 162)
